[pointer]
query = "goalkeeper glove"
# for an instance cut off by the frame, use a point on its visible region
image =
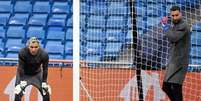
(20, 87)
(46, 88)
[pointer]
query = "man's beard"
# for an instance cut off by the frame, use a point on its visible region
(176, 21)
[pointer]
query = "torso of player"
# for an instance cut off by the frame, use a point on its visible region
(33, 63)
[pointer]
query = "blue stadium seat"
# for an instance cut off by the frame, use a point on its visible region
(141, 10)
(69, 34)
(16, 32)
(95, 35)
(116, 22)
(55, 33)
(4, 17)
(153, 21)
(14, 49)
(140, 31)
(1, 46)
(38, 32)
(70, 22)
(41, 7)
(2, 33)
(193, 3)
(1, 56)
(96, 21)
(94, 48)
(195, 61)
(196, 27)
(129, 22)
(154, 1)
(93, 58)
(19, 19)
(117, 8)
(38, 19)
(12, 55)
(57, 20)
(69, 47)
(195, 52)
(182, 2)
(55, 56)
(55, 49)
(13, 45)
(84, 8)
(61, 7)
(196, 38)
(170, 1)
(6, 6)
(82, 51)
(129, 37)
(140, 23)
(154, 10)
(22, 7)
(69, 57)
(115, 36)
(14, 42)
(112, 49)
(82, 21)
(98, 8)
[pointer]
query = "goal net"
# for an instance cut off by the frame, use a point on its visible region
(124, 51)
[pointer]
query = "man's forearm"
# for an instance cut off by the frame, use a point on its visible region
(45, 73)
(175, 35)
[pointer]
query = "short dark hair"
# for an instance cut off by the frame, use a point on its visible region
(175, 8)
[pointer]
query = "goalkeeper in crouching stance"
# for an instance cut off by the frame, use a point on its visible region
(32, 70)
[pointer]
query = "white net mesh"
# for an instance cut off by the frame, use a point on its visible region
(111, 49)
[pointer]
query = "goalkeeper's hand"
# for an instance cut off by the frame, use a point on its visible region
(46, 88)
(20, 87)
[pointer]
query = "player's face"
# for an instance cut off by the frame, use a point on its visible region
(176, 16)
(33, 48)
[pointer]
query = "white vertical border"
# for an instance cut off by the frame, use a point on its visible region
(76, 50)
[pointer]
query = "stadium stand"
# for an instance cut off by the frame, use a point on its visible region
(49, 20)
(52, 21)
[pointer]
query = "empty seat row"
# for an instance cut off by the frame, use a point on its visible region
(35, 7)
(110, 35)
(52, 33)
(60, 20)
(12, 46)
(15, 37)
(98, 51)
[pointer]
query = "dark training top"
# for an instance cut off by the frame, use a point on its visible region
(32, 64)
(179, 39)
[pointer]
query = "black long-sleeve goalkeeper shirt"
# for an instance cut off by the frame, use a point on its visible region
(32, 64)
